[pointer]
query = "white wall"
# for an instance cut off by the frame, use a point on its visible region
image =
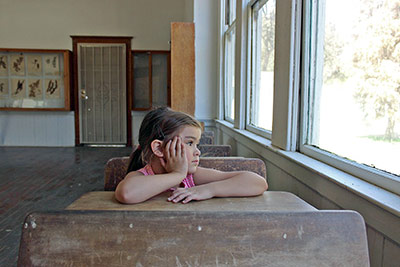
(206, 43)
(48, 24)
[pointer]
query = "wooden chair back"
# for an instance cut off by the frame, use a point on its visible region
(188, 238)
(215, 150)
(207, 138)
(115, 169)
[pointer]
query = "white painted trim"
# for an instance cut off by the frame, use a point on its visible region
(241, 63)
(380, 178)
(259, 131)
(286, 77)
(249, 62)
(220, 55)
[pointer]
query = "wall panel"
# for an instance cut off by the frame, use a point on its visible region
(20, 128)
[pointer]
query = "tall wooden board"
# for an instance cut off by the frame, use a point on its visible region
(183, 67)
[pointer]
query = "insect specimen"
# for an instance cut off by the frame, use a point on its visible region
(19, 87)
(17, 63)
(3, 64)
(34, 89)
(52, 86)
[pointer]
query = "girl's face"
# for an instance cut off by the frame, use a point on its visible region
(191, 137)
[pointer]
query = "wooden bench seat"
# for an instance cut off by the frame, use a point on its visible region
(115, 169)
(186, 238)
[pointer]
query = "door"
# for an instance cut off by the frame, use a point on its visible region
(102, 93)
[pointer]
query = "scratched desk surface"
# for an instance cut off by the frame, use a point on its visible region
(269, 201)
(193, 238)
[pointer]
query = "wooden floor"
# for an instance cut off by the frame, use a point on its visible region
(39, 179)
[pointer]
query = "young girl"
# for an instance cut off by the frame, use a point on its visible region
(167, 158)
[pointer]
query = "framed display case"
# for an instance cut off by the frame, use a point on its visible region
(34, 79)
(151, 79)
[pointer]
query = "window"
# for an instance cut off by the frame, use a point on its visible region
(262, 67)
(353, 94)
(151, 79)
(229, 60)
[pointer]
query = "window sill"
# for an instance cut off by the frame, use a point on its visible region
(262, 146)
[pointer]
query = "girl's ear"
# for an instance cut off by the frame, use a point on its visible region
(156, 147)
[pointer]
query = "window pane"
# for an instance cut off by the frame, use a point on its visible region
(232, 11)
(230, 75)
(356, 101)
(262, 83)
(141, 96)
(160, 79)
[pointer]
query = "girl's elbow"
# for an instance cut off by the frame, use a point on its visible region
(265, 186)
(121, 196)
(260, 182)
(126, 197)
(262, 185)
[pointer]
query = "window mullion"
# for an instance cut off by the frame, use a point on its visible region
(240, 64)
(286, 75)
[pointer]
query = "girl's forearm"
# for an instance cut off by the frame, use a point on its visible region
(243, 184)
(139, 188)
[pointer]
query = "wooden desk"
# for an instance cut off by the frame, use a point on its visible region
(269, 201)
(193, 238)
(274, 229)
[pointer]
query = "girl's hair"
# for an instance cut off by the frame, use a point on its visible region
(162, 124)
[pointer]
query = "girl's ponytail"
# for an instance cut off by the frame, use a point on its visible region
(135, 160)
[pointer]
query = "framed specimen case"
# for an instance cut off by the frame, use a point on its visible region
(34, 79)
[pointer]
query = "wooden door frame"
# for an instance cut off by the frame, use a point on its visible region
(75, 97)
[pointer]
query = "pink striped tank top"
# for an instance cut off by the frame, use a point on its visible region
(186, 183)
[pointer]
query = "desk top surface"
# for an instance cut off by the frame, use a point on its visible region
(269, 201)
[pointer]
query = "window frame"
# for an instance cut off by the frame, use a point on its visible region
(229, 25)
(310, 73)
(250, 127)
(226, 78)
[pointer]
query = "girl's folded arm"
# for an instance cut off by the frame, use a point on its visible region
(226, 184)
(136, 187)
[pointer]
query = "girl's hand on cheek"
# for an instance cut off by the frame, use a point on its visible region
(175, 157)
(188, 194)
